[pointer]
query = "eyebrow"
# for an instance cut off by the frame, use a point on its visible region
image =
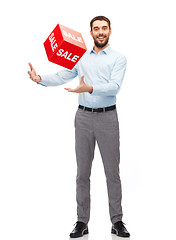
(102, 27)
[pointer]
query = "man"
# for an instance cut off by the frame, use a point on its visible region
(101, 72)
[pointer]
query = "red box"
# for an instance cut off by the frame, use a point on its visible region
(64, 46)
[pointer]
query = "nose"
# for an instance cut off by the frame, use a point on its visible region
(101, 31)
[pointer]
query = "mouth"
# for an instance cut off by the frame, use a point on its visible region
(101, 37)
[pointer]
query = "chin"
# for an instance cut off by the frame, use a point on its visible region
(102, 45)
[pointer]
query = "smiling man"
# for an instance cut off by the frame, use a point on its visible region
(101, 72)
(100, 33)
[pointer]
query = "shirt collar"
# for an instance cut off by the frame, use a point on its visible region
(106, 50)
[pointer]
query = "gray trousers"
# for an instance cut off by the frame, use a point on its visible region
(103, 128)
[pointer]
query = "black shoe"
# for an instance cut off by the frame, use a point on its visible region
(120, 230)
(79, 230)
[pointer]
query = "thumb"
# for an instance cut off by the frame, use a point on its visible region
(82, 79)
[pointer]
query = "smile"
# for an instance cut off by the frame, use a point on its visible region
(101, 38)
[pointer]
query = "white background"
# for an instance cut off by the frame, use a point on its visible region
(37, 159)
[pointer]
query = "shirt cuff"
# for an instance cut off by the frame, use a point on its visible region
(95, 90)
(42, 81)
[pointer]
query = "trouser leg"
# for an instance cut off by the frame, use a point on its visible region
(84, 146)
(107, 136)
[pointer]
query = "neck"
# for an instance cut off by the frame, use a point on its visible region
(97, 50)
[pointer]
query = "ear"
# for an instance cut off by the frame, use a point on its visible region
(91, 33)
(110, 31)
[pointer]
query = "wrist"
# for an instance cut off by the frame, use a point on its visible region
(39, 78)
(90, 89)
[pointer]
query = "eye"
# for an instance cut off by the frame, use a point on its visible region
(105, 28)
(95, 29)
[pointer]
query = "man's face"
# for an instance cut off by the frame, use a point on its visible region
(100, 33)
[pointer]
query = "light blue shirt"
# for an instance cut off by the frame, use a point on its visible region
(104, 71)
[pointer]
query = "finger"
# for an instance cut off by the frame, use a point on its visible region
(29, 73)
(82, 78)
(68, 89)
(30, 65)
(31, 77)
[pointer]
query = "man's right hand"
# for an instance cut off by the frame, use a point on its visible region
(32, 74)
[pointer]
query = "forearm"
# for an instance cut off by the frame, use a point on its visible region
(51, 80)
(59, 78)
(112, 86)
(106, 89)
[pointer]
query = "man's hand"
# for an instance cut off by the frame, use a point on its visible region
(83, 87)
(32, 74)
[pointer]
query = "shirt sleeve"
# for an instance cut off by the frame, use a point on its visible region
(112, 87)
(58, 78)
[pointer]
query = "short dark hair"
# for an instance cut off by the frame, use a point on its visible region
(101, 18)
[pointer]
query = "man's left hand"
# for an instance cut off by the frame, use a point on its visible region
(83, 87)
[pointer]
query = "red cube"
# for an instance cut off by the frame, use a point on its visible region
(64, 46)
